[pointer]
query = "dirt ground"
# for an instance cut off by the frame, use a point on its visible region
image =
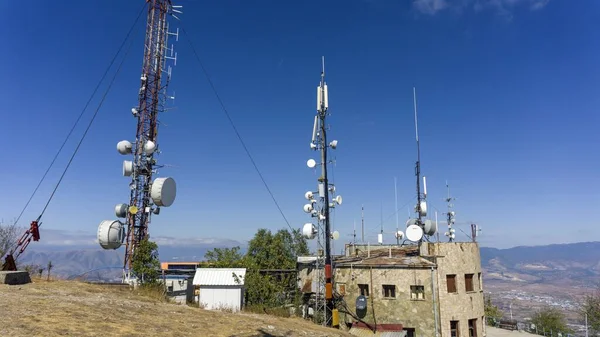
(69, 308)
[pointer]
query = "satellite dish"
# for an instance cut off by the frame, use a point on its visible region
(121, 210)
(423, 208)
(361, 303)
(124, 147)
(313, 146)
(163, 191)
(338, 199)
(309, 231)
(308, 208)
(335, 235)
(333, 144)
(411, 222)
(127, 168)
(429, 227)
(311, 163)
(111, 234)
(399, 235)
(414, 233)
(149, 147)
(308, 195)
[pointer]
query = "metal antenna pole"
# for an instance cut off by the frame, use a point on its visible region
(324, 300)
(418, 164)
(325, 181)
(362, 222)
(450, 215)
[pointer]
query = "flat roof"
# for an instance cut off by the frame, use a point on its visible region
(401, 257)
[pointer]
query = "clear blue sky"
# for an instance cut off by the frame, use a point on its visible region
(507, 95)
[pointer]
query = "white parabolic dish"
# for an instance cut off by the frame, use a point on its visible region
(163, 191)
(414, 233)
(121, 210)
(308, 230)
(111, 234)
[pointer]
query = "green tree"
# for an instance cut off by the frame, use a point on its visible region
(492, 312)
(225, 257)
(550, 319)
(8, 237)
(268, 255)
(591, 308)
(145, 264)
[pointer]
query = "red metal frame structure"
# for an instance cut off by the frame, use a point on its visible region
(32, 233)
(152, 98)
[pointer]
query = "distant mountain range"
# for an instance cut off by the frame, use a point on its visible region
(573, 265)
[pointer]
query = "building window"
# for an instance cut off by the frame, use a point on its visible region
(341, 288)
(417, 292)
(454, 331)
(469, 282)
(389, 291)
(473, 327)
(451, 283)
(410, 332)
(364, 289)
(480, 281)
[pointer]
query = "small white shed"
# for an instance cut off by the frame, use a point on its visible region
(220, 288)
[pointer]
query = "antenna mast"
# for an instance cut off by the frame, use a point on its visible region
(421, 207)
(450, 216)
(362, 223)
(146, 196)
(323, 207)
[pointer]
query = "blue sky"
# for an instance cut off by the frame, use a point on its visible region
(507, 97)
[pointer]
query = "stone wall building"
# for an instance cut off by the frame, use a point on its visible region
(429, 290)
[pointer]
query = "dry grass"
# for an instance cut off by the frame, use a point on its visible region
(71, 308)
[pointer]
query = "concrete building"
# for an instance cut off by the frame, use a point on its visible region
(220, 288)
(431, 290)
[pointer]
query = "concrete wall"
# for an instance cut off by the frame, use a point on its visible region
(417, 314)
(459, 258)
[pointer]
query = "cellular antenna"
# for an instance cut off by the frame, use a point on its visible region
(451, 216)
(321, 208)
(147, 196)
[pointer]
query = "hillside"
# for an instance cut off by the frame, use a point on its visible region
(62, 308)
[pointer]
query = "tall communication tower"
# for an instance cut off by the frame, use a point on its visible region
(146, 196)
(321, 208)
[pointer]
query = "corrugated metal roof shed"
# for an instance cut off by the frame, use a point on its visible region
(219, 277)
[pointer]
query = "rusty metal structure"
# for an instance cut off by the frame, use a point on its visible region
(33, 233)
(152, 98)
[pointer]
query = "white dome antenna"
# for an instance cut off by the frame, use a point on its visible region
(124, 147)
(111, 234)
(309, 231)
(311, 163)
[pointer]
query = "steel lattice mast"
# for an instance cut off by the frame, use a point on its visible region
(321, 209)
(146, 196)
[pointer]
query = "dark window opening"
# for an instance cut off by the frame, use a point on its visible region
(389, 290)
(451, 283)
(417, 292)
(364, 289)
(454, 331)
(469, 282)
(473, 327)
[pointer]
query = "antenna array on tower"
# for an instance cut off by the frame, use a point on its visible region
(147, 196)
(320, 208)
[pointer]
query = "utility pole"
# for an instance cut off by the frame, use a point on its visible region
(323, 209)
(362, 223)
